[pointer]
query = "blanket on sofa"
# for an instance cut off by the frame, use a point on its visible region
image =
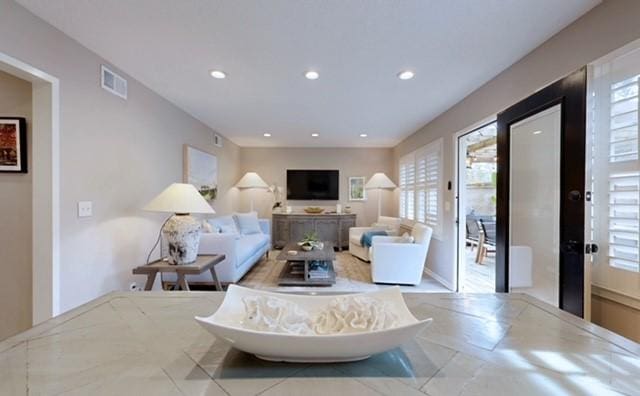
(367, 237)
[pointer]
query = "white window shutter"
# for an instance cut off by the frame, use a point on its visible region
(420, 186)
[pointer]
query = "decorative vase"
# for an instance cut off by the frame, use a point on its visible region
(183, 235)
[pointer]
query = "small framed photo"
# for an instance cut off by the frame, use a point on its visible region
(357, 192)
(13, 145)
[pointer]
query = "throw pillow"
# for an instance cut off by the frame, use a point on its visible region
(206, 227)
(406, 238)
(226, 222)
(227, 229)
(248, 223)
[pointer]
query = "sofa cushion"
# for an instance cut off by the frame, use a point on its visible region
(391, 224)
(248, 223)
(224, 225)
(248, 245)
(355, 239)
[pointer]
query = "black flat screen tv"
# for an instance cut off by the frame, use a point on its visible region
(313, 184)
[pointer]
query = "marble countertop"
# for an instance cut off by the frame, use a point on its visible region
(147, 343)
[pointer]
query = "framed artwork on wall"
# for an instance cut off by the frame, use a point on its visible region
(13, 144)
(201, 169)
(357, 191)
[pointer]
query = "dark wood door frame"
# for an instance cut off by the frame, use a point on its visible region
(571, 93)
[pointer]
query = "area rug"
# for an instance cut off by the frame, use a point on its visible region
(352, 275)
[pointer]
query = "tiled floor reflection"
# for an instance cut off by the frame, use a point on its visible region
(149, 344)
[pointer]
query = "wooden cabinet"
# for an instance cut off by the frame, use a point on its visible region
(327, 230)
(332, 228)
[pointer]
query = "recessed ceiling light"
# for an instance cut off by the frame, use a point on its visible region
(406, 75)
(266, 134)
(312, 75)
(363, 135)
(219, 74)
(537, 132)
(315, 134)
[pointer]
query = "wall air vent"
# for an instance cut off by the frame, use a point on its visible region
(113, 82)
(217, 140)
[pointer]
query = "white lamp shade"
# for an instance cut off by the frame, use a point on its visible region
(379, 180)
(179, 198)
(251, 180)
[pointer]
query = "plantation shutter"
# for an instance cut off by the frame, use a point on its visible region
(615, 164)
(406, 168)
(433, 169)
(420, 185)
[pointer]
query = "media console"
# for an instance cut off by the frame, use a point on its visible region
(330, 227)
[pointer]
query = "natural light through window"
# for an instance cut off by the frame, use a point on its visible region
(421, 186)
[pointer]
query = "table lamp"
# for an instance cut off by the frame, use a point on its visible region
(379, 181)
(181, 230)
(251, 180)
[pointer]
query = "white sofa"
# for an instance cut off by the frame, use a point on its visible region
(242, 251)
(389, 224)
(396, 260)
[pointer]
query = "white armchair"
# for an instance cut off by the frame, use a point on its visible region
(397, 261)
(389, 224)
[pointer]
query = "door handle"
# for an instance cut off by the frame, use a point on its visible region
(571, 247)
(575, 195)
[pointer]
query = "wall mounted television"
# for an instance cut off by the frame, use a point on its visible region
(313, 185)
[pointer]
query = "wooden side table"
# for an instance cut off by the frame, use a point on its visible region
(203, 263)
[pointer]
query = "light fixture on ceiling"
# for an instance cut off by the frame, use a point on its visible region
(312, 75)
(219, 74)
(406, 75)
(315, 134)
(363, 135)
(537, 132)
(266, 134)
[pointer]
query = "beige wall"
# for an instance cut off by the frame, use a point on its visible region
(272, 164)
(116, 153)
(15, 219)
(605, 28)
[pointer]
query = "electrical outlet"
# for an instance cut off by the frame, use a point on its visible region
(85, 209)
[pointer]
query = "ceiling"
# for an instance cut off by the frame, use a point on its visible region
(357, 46)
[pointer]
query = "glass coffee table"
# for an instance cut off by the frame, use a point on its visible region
(312, 268)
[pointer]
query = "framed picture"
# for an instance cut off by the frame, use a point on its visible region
(201, 170)
(13, 144)
(357, 191)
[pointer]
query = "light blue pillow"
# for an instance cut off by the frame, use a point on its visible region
(248, 223)
(224, 225)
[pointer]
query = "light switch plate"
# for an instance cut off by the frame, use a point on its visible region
(447, 206)
(85, 209)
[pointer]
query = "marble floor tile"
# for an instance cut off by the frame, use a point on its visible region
(13, 371)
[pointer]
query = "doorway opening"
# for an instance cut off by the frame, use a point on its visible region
(477, 175)
(45, 180)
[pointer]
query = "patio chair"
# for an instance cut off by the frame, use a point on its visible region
(487, 240)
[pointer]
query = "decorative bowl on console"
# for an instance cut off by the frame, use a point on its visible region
(304, 328)
(313, 210)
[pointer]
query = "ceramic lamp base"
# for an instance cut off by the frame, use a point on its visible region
(183, 236)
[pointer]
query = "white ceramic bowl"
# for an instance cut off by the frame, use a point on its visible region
(226, 324)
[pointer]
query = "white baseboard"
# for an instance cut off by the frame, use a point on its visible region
(440, 279)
